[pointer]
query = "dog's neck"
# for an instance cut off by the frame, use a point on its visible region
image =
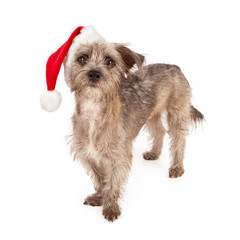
(93, 104)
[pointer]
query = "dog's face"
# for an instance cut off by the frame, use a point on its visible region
(103, 66)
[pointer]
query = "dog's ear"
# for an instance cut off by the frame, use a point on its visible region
(130, 58)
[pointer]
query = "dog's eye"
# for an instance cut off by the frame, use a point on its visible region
(110, 62)
(83, 59)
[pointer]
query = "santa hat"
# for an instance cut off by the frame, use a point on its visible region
(51, 100)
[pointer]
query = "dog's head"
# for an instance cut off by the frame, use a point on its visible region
(103, 66)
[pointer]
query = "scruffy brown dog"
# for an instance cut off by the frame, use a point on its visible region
(112, 105)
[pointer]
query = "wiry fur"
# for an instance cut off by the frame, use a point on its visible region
(111, 111)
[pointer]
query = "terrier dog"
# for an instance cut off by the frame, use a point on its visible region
(113, 103)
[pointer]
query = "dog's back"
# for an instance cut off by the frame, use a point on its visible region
(162, 87)
(169, 86)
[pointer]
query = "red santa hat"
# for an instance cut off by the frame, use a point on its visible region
(51, 100)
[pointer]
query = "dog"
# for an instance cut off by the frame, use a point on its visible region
(114, 100)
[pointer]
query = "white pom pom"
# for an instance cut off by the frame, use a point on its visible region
(50, 100)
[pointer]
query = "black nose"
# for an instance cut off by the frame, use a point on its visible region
(94, 75)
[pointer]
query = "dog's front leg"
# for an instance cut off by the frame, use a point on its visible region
(96, 172)
(116, 175)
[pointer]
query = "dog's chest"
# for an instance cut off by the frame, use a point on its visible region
(91, 111)
(91, 117)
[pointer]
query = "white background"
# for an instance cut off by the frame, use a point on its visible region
(42, 189)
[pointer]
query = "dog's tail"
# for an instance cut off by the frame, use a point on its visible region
(196, 116)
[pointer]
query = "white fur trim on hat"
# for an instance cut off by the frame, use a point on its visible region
(50, 100)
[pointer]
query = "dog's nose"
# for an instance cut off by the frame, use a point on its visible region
(94, 75)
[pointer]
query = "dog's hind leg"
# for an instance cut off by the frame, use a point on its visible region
(157, 132)
(178, 122)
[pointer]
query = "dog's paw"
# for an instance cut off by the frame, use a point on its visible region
(94, 200)
(111, 213)
(176, 171)
(150, 156)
